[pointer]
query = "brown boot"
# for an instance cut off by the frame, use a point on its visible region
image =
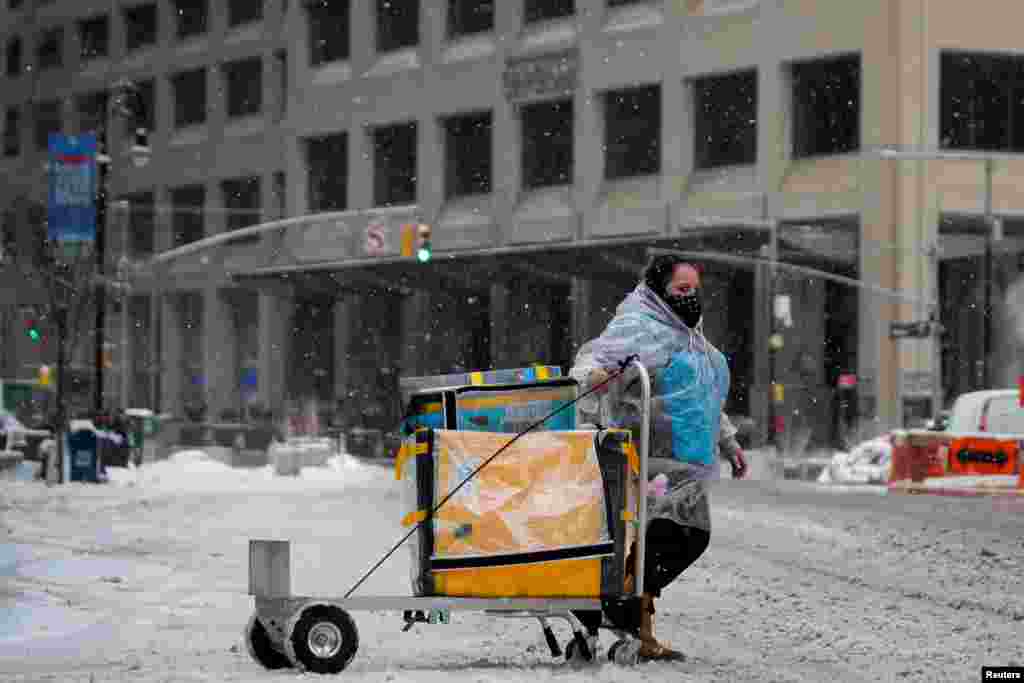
(650, 648)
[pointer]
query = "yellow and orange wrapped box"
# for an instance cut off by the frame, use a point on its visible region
(548, 517)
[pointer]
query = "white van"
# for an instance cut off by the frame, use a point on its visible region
(995, 411)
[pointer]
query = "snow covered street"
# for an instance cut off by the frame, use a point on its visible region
(145, 580)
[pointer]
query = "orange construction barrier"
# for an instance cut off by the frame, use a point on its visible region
(984, 455)
(917, 455)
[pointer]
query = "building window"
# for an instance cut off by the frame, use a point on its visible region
(139, 26)
(632, 132)
(281, 64)
(328, 31)
(146, 116)
(12, 132)
(466, 17)
(398, 24)
(242, 202)
(327, 161)
(547, 144)
(49, 49)
(191, 17)
(187, 223)
(92, 114)
(141, 224)
(48, 120)
(244, 11)
(542, 10)
(468, 155)
(189, 98)
(14, 56)
(394, 154)
(982, 101)
(280, 194)
(94, 37)
(244, 82)
(726, 126)
(826, 107)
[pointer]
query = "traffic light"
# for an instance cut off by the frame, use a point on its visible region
(423, 249)
(32, 331)
(44, 375)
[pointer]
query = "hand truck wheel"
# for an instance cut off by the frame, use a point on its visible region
(321, 638)
(261, 647)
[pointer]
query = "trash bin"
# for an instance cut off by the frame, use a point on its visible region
(81, 459)
(143, 426)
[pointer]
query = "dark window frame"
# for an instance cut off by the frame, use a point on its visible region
(535, 11)
(240, 82)
(330, 31)
(94, 37)
(468, 150)
(147, 95)
(237, 15)
(187, 114)
(41, 131)
(141, 243)
(993, 82)
(50, 48)
(812, 127)
(327, 164)
(243, 202)
(141, 26)
(542, 162)
(12, 131)
(92, 110)
(14, 56)
(188, 217)
(469, 17)
(621, 157)
(717, 141)
(392, 184)
(390, 33)
(191, 18)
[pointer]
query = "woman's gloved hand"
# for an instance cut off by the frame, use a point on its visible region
(596, 376)
(739, 464)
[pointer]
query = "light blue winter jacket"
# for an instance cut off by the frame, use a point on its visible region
(690, 379)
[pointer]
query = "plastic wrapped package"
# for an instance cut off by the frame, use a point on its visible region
(542, 519)
(494, 408)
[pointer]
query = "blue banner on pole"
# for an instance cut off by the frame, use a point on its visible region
(72, 195)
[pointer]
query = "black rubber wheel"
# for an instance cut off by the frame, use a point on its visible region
(321, 638)
(261, 648)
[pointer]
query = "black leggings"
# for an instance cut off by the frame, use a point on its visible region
(671, 548)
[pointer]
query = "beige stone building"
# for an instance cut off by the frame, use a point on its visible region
(549, 145)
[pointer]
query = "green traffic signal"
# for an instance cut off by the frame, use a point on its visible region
(32, 330)
(424, 253)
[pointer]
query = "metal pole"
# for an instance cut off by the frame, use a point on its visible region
(987, 309)
(644, 451)
(101, 220)
(773, 258)
(123, 355)
(61, 315)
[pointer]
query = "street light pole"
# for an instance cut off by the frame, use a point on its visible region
(987, 309)
(103, 161)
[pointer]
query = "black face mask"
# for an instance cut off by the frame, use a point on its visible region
(687, 307)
